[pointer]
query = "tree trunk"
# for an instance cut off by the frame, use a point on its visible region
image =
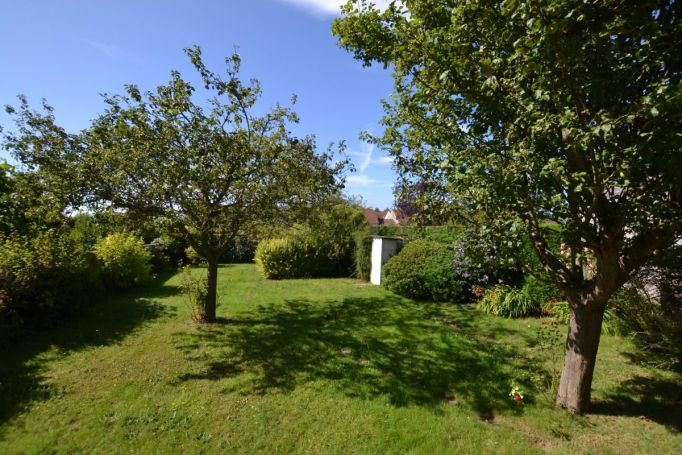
(211, 291)
(584, 331)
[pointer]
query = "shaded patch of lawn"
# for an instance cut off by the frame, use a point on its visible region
(367, 347)
(646, 397)
(23, 364)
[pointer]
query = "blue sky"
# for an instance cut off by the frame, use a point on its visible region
(70, 51)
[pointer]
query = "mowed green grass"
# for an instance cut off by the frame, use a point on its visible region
(316, 366)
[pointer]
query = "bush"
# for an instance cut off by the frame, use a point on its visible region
(481, 263)
(304, 257)
(648, 310)
(363, 255)
(42, 279)
(86, 231)
(423, 271)
(195, 290)
(541, 290)
(448, 235)
(509, 302)
(168, 253)
(193, 257)
(656, 328)
(240, 251)
(278, 258)
(124, 260)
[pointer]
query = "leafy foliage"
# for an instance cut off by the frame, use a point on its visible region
(526, 111)
(42, 279)
(86, 231)
(509, 302)
(6, 186)
(648, 310)
(124, 260)
(481, 262)
(210, 171)
(193, 257)
(322, 246)
(195, 290)
(531, 299)
(541, 289)
(304, 257)
(655, 331)
(489, 106)
(363, 255)
(423, 270)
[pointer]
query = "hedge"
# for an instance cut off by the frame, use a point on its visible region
(296, 257)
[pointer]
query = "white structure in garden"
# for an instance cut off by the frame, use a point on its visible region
(382, 249)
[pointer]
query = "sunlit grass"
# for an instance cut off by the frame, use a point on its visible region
(315, 366)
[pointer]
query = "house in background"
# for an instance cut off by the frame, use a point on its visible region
(385, 217)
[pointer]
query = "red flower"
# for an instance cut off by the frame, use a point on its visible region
(517, 398)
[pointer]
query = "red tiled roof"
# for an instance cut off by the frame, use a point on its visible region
(377, 218)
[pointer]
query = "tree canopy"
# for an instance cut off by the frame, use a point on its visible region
(207, 169)
(531, 112)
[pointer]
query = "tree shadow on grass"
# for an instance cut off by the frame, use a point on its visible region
(652, 398)
(366, 347)
(104, 323)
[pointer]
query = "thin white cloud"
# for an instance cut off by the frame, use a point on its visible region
(364, 180)
(328, 7)
(383, 160)
(361, 180)
(366, 158)
(110, 51)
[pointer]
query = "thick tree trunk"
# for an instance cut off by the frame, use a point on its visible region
(211, 291)
(584, 331)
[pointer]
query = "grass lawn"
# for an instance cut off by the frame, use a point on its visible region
(316, 366)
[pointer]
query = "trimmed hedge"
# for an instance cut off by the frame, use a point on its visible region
(295, 257)
(424, 270)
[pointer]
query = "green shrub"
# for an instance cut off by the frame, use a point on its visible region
(363, 255)
(534, 297)
(541, 290)
(278, 258)
(304, 257)
(656, 328)
(195, 290)
(86, 231)
(557, 309)
(160, 259)
(423, 270)
(124, 260)
(444, 234)
(509, 302)
(193, 257)
(240, 251)
(42, 279)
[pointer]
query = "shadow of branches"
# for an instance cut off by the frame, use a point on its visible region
(103, 323)
(653, 398)
(366, 347)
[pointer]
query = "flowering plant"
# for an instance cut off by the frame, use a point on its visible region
(516, 394)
